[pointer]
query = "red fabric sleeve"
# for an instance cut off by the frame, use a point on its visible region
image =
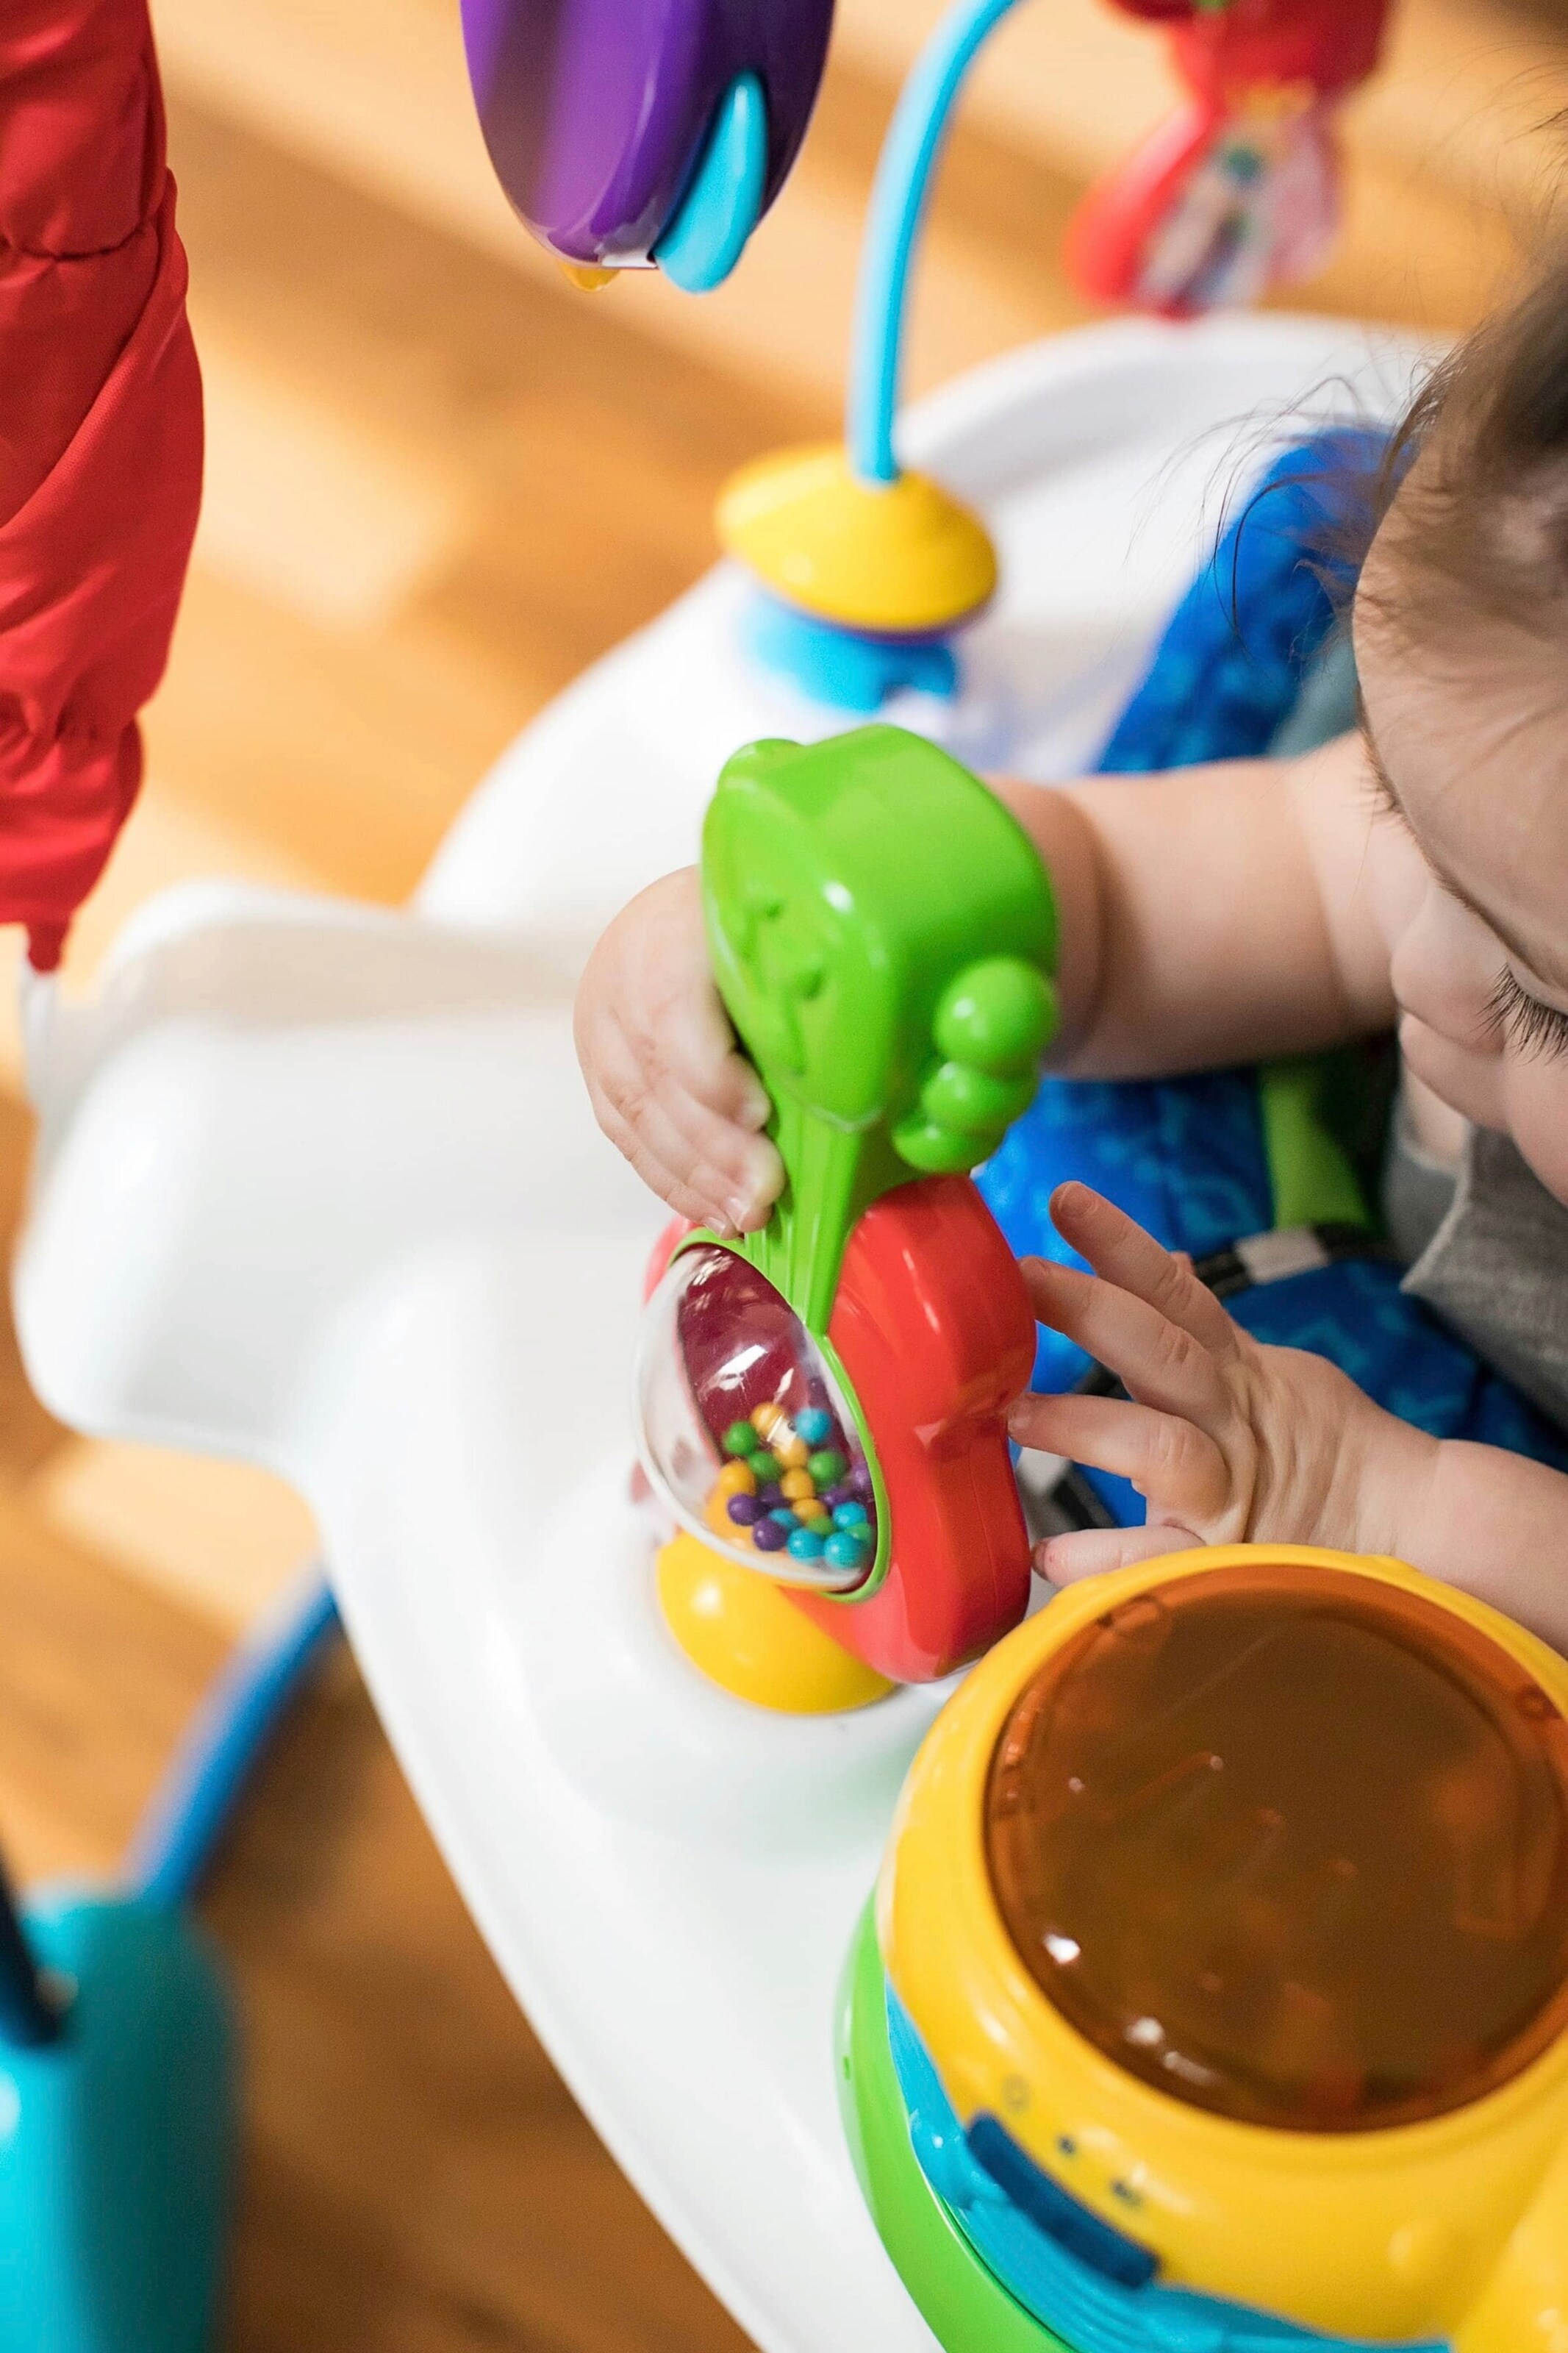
(100, 441)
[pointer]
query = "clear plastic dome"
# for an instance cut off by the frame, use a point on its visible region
(744, 1432)
(1291, 1845)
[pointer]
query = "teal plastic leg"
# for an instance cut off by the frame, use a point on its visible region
(117, 2141)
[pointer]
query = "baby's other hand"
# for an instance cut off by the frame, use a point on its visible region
(1230, 1441)
(669, 1087)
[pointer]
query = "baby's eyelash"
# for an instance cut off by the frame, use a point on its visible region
(1379, 791)
(1379, 794)
(1529, 1027)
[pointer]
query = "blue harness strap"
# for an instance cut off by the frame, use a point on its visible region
(1253, 639)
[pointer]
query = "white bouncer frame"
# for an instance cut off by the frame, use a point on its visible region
(317, 1186)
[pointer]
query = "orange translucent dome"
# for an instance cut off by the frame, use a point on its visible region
(1292, 1846)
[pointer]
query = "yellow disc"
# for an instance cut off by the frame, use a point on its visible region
(584, 274)
(902, 557)
(738, 1629)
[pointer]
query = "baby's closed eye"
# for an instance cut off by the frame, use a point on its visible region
(1524, 1022)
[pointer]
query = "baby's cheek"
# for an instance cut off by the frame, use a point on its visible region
(1468, 1082)
(1441, 990)
(1535, 1100)
(1444, 965)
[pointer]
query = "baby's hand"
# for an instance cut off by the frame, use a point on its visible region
(1230, 1441)
(668, 1085)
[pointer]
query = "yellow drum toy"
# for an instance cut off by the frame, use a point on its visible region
(1217, 1996)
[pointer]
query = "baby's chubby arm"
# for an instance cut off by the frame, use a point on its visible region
(1211, 915)
(1231, 1441)
(1208, 916)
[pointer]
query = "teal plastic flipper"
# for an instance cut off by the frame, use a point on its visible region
(724, 203)
(882, 933)
(116, 2141)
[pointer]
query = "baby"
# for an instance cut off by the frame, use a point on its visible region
(1414, 874)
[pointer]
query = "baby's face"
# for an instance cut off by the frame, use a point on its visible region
(1468, 868)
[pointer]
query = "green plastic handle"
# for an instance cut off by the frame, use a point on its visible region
(883, 935)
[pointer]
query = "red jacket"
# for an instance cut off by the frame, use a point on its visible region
(100, 441)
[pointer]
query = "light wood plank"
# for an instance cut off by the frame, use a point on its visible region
(224, 1537)
(416, 2178)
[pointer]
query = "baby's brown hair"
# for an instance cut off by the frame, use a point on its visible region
(1474, 489)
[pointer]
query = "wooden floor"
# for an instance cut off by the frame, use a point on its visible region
(440, 482)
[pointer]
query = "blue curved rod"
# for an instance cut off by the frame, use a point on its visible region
(898, 196)
(190, 1812)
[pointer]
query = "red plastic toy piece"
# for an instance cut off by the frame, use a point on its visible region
(101, 441)
(935, 1330)
(1239, 190)
(933, 1326)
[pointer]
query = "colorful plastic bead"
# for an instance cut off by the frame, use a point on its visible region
(828, 1466)
(815, 1425)
(849, 1515)
(736, 1479)
(845, 1549)
(805, 1545)
(791, 1452)
(783, 1514)
(814, 1511)
(768, 1536)
(766, 1417)
(771, 1495)
(765, 1466)
(744, 1510)
(841, 1494)
(739, 1438)
(797, 1484)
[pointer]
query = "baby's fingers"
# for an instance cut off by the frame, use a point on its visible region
(702, 1165)
(691, 1190)
(652, 973)
(1120, 1249)
(1160, 1363)
(747, 1165)
(1170, 1460)
(690, 1036)
(1095, 1552)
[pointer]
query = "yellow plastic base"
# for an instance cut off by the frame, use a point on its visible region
(900, 559)
(739, 1630)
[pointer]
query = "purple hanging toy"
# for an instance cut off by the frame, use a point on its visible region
(631, 133)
